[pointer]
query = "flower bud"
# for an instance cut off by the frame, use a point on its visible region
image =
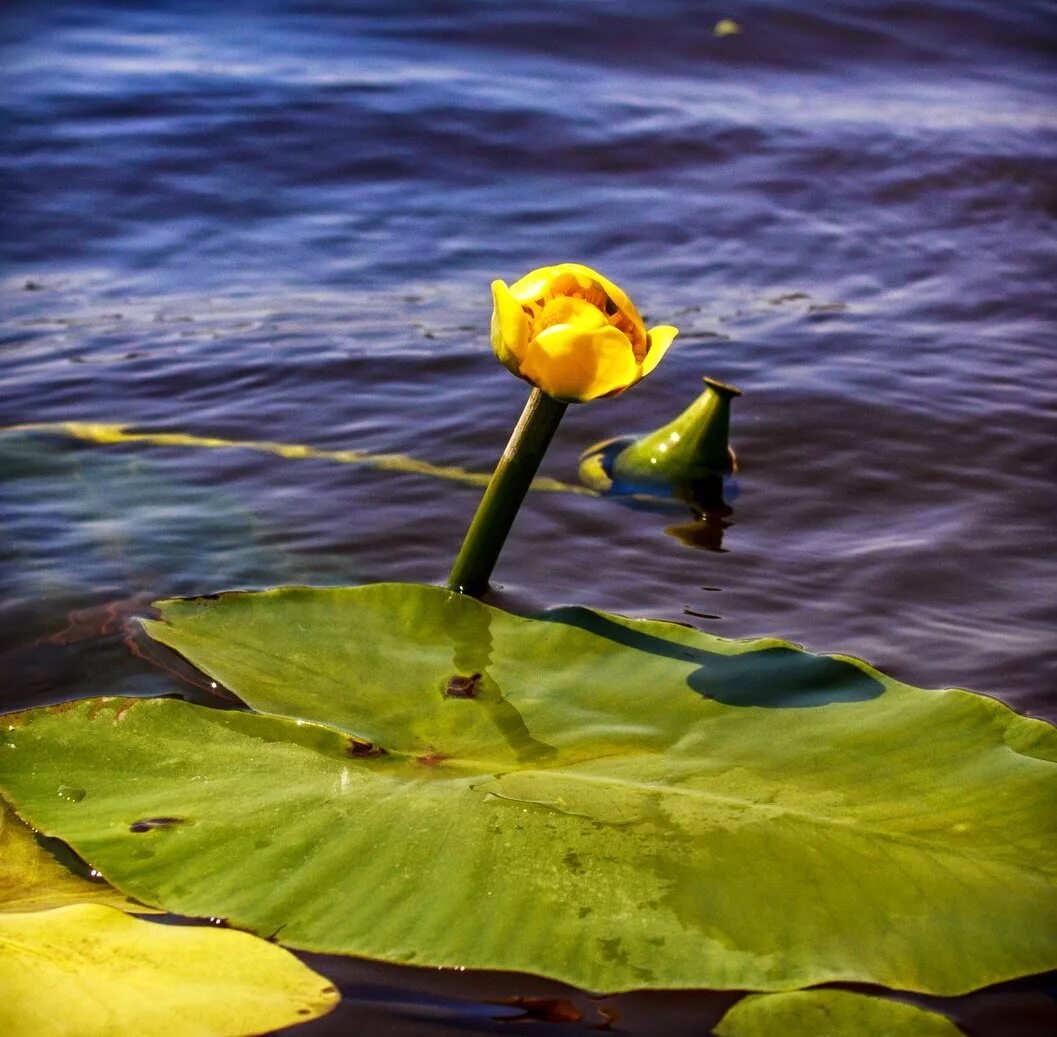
(573, 334)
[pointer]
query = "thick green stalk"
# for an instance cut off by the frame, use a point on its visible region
(510, 482)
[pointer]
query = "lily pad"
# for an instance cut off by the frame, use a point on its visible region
(31, 879)
(830, 1013)
(92, 971)
(616, 803)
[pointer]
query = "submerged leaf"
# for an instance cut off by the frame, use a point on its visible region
(615, 803)
(91, 971)
(830, 1013)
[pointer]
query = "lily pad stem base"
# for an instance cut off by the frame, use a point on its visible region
(510, 482)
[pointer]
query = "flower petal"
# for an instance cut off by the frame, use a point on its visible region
(542, 282)
(510, 327)
(585, 273)
(617, 306)
(534, 285)
(577, 364)
(659, 339)
(568, 310)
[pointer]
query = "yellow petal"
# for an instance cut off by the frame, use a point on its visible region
(586, 274)
(545, 283)
(541, 284)
(534, 285)
(659, 339)
(510, 327)
(567, 310)
(619, 309)
(577, 364)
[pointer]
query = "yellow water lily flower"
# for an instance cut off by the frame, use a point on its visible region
(574, 334)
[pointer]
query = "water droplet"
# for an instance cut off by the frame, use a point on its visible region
(70, 793)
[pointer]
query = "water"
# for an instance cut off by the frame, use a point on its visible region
(278, 221)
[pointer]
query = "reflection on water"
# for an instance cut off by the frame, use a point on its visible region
(705, 530)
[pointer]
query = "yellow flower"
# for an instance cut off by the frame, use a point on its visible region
(572, 333)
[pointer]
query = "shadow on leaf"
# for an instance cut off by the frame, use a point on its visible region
(775, 677)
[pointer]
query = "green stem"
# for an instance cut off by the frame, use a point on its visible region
(510, 482)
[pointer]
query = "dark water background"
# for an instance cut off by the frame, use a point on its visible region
(278, 221)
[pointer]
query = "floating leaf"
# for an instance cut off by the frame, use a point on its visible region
(615, 803)
(31, 879)
(93, 971)
(830, 1013)
(109, 434)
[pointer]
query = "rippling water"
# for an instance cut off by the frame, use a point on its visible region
(278, 221)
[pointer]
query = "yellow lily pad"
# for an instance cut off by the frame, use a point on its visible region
(88, 970)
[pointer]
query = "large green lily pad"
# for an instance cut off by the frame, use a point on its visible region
(616, 803)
